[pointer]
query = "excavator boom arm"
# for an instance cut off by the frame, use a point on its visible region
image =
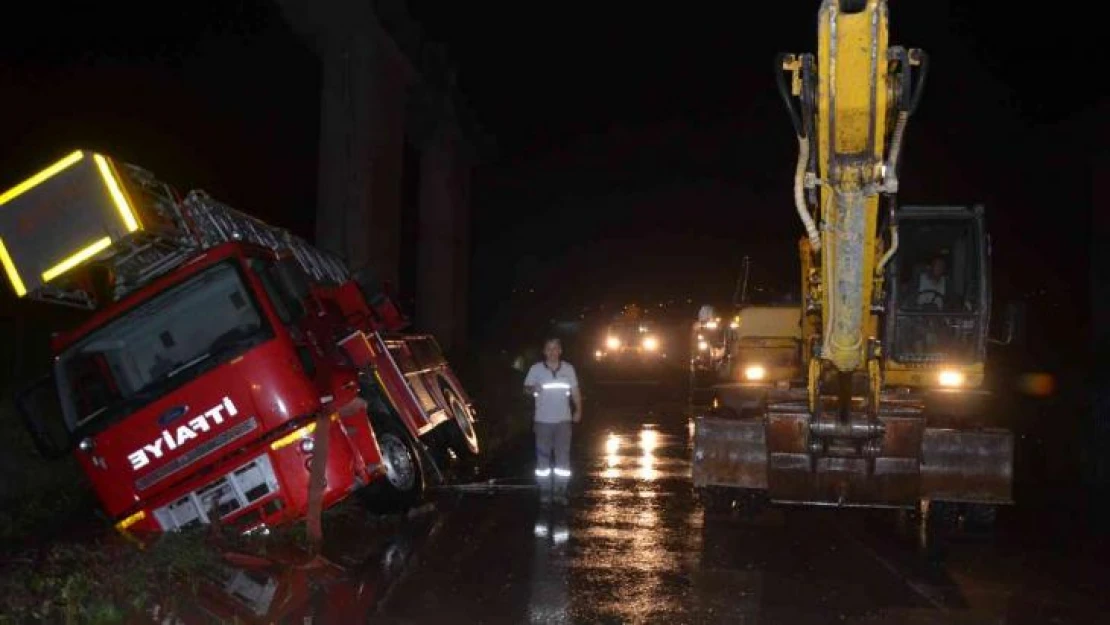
(853, 101)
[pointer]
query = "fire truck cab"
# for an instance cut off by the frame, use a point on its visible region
(226, 366)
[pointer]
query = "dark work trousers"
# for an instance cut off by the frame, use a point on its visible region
(552, 439)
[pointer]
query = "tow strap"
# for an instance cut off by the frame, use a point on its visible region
(317, 480)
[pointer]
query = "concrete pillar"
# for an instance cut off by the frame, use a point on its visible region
(443, 255)
(372, 95)
(461, 282)
(343, 206)
(362, 124)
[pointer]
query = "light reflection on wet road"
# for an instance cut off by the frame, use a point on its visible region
(635, 546)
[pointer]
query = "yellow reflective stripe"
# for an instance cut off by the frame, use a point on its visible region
(116, 192)
(9, 268)
(76, 259)
(38, 178)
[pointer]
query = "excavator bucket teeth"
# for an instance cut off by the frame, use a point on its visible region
(729, 452)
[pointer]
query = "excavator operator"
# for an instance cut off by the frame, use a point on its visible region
(932, 284)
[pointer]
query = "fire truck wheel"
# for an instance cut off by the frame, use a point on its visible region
(403, 484)
(463, 437)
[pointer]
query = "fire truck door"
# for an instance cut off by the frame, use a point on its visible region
(391, 377)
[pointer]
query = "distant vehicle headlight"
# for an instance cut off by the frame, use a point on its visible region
(613, 342)
(755, 373)
(703, 346)
(951, 378)
(651, 343)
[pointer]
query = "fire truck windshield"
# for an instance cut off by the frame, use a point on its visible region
(158, 346)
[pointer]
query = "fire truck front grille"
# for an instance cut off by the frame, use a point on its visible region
(237, 431)
(222, 497)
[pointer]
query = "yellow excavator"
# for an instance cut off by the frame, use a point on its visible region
(892, 410)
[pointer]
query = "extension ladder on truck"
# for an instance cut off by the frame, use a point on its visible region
(88, 230)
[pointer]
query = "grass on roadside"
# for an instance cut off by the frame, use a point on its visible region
(109, 581)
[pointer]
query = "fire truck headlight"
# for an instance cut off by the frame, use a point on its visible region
(86, 445)
(651, 343)
(613, 342)
(951, 378)
(308, 445)
(703, 346)
(755, 373)
(131, 520)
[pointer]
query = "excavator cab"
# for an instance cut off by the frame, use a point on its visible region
(939, 298)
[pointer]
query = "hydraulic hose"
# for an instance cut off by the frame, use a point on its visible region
(799, 195)
(803, 155)
(909, 101)
(891, 177)
(784, 93)
(893, 240)
(919, 84)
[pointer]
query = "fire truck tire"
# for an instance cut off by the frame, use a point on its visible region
(463, 439)
(403, 484)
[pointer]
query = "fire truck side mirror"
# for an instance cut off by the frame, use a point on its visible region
(41, 410)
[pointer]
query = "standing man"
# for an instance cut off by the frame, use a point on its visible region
(554, 384)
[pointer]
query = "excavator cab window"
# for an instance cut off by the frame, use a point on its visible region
(939, 267)
(937, 278)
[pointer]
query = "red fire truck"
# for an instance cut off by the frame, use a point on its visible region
(226, 365)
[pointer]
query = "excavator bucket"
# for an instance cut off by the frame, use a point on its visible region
(893, 462)
(729, 452)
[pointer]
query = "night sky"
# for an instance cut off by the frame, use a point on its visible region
(641, 151)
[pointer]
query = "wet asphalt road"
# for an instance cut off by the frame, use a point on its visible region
(636, 546)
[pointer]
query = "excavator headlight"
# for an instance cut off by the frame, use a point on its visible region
(950, 378)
